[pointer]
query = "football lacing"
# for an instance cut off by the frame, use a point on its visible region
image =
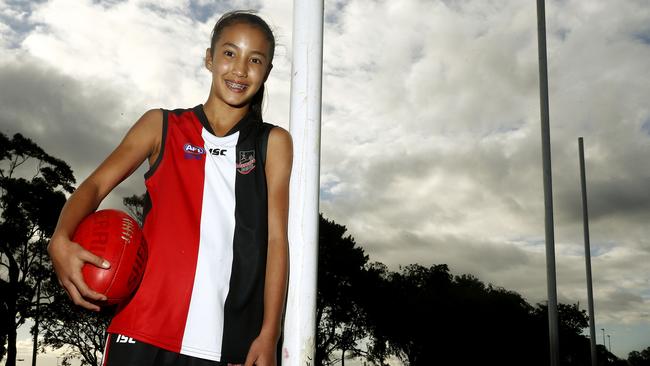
(127, 229)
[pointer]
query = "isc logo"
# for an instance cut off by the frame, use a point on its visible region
(124, 339)
(221, 152)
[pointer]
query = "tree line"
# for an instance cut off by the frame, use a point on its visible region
(421, 315)
(425, 315)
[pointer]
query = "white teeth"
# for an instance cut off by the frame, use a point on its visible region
(236, 85)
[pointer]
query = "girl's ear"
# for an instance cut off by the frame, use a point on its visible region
(208, 59)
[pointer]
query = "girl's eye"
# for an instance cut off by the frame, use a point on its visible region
(256, 61)
(228, 53)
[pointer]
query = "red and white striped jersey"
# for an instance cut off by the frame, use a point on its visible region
(202, 293)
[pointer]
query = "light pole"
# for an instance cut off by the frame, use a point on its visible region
(609, 339)
(549, 234)
(585, 219)
(604, 344)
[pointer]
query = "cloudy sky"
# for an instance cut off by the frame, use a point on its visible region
(431, 148)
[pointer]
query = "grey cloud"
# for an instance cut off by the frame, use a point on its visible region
(76, 122)
(203, 11)
(643, 37)
(627, 198)
(463, 254)
(55, 110)
(619, 301)
(497, 263)
(109, 3)
(333, 10)
(438, 160)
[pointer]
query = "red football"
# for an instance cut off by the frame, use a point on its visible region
(117, 237)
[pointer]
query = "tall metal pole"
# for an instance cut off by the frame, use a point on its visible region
(585, 219)
(604, 344)
(551, 285)
(610, 343)
(306, 76)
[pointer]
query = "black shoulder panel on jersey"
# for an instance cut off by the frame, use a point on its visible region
(156, 163)
(266, 130)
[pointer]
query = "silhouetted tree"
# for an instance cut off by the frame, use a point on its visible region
(636, 358)
(135, 205)
(338, 314)
(426, 316)
(500, 319)
(4, 321)
(574, 347)
(32, 192)
(405, 312)
(371, 297)
(83, 331)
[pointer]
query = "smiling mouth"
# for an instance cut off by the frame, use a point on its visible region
(236, 87)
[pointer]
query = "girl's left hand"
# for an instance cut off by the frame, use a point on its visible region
(262, 352)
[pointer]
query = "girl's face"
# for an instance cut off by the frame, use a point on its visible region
(239, 64)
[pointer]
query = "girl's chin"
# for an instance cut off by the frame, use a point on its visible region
(236, 99)
(237, 103)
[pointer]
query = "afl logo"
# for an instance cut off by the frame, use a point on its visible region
(193, 152)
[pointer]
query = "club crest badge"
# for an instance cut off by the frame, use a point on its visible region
(246, 162)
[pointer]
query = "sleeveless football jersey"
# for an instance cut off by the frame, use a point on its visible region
(202, 293)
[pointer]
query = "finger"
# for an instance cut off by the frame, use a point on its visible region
(95, 260)
(86, 291)
(250, 360)
(77, 299)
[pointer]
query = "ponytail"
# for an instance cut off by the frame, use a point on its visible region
(256, 103)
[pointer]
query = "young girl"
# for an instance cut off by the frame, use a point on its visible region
(215, 219)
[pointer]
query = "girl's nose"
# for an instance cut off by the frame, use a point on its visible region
(239, 69)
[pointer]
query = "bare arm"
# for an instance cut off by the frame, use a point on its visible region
(142, 141)
(278, 172)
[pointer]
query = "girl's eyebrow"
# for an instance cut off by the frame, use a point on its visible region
(260, 53)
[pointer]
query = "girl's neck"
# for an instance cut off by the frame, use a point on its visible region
(221, 116)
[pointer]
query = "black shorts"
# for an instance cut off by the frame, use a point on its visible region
(125, 351)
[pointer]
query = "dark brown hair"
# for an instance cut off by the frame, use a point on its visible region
(246, 17)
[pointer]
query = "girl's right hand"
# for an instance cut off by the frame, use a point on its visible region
(68, 258)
